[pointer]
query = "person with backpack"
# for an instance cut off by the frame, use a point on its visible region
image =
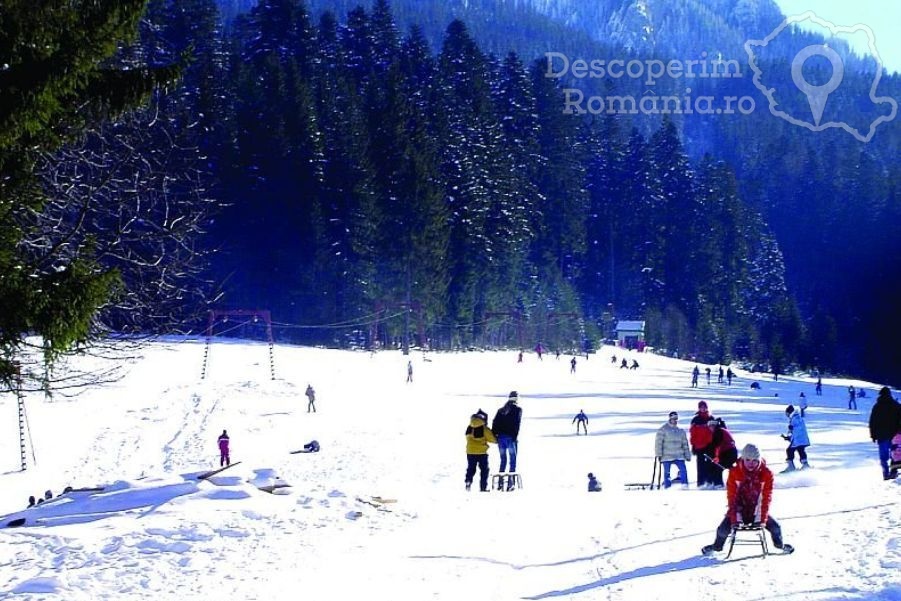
(581, 420)
(478, 437)
(223, 442)
(505, 427)
(885, 423)
(797, 438)
(749, 492)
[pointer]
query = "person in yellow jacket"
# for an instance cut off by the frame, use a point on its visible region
(478, 436)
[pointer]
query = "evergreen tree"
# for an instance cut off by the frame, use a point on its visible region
(49, 93)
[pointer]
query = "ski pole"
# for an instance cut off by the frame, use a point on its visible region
(711, 460)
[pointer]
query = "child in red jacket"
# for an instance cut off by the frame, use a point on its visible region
(749, 491)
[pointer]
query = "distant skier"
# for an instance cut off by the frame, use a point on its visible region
(624, 364)
(707, 371)
(634, 364)
(409, 371)
(581, 420)
(224, 457)
(819, 387)
(593, 484)
(572, 365)
(311, 447)
(729, 375)
(852, 398)
(519, 359)
(802, 402)
(311, 399)
(797, 438)
(885, 423)
(694, 376)
(719, 377)
(749, 492)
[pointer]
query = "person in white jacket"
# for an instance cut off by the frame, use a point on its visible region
(671, 447)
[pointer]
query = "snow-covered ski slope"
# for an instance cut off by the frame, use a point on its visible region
(156, 532)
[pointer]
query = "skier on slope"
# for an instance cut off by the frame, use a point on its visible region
(797, 438)
(581, 420)
(749, 492)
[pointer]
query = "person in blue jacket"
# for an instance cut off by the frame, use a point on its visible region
(797, 438)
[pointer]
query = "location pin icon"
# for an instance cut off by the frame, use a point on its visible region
(818, 95)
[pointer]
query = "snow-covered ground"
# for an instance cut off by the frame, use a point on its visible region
(156, 532)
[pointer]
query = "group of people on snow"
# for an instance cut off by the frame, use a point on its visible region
(504, 432)
(696, 373)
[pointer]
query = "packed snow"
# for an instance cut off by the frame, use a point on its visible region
(380, 513)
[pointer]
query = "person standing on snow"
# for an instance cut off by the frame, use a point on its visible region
(725, 453)
(478, 437)
(749, 492)
(885, 423)
(505, 427)
(701, 439)
(797, 438)
(671, 448)
(224, 457)
(311, 398)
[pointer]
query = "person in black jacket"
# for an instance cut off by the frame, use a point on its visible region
(885, 422)
(506, 428)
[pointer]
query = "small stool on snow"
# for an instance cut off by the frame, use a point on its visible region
(512, 481)
(753, 534)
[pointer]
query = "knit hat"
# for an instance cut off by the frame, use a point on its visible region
(590, 475)
(702, 404)
(789, 410)
(750, 452)
(673, 414)
(514, 396)
(481, 415)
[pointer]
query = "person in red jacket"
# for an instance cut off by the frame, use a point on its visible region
(701, 439)
(725, 453)
(749, 492)
(224, 458)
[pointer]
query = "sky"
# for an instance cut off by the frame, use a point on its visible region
(882, 16)
(155, 531)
